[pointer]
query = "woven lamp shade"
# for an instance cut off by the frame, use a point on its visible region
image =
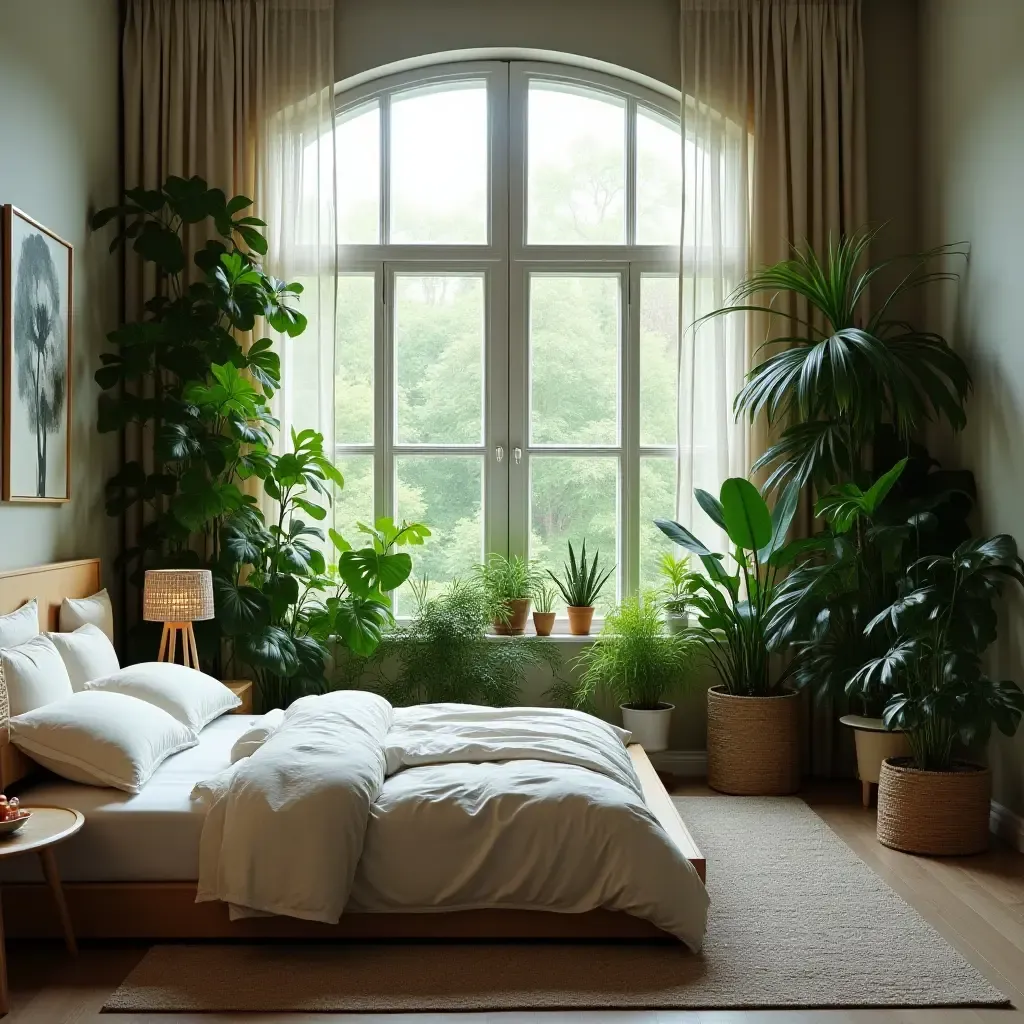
(177, 595)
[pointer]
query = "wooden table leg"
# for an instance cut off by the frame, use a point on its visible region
(53, 880)
(4, 1000)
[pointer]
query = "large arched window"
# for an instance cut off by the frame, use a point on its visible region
(506, 361)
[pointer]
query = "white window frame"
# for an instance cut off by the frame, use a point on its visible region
(507, 260)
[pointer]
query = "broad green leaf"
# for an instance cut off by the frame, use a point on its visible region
(240, 609)
(359, 624)
(747, 519)
(876, 493)
(366, 570)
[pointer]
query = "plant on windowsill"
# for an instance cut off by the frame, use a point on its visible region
(639, 664)
(753, 718)
(508, 584)
(678, 586)
(544, 598)
(939, 629)
(444, 654)
(580, 587)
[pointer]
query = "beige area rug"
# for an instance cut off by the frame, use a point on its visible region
(797, 920)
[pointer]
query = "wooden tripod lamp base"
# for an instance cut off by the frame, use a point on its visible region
(169, 644)
(177, 598)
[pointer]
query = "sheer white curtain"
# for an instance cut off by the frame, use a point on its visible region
(296, 196)
(713, 356)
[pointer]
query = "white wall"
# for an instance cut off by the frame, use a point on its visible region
(972, 104)
(59, 158)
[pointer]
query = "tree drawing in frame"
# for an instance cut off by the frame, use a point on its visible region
(37, 349)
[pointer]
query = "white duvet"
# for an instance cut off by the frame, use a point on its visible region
(352, 804)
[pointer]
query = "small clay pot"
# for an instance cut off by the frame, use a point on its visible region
(580, 619)
(543, 622)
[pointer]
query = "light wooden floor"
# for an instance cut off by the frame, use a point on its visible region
(977, 903)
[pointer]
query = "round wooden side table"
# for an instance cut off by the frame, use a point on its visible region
(47, 827)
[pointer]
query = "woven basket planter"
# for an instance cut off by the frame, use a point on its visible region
(940, 813)
(753, 743)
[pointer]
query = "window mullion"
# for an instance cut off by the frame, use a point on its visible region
(384, 396)
(630, 478)
(630, 150)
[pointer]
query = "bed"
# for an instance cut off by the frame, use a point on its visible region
(131, 872)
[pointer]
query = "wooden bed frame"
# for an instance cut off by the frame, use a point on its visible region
(167, 910)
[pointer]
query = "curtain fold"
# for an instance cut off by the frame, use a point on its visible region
(239, 92)
(787, 75)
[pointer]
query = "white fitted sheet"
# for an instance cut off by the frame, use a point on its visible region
(152, 836)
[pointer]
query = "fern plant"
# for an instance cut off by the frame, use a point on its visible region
(581, 583)
(680, 583)
(634, 659)
(444, 654)
(841, 375)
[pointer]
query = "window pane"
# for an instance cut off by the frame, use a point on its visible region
(576, 161)
(354, 502)
(572, 498)
(439, 357)
(353, 376)
(574, 359)
(659, 358)
(439, 164)
(657, 501)
(357, 140)
(659, 179)
(446, 493)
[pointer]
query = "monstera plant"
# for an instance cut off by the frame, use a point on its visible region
(182, 374)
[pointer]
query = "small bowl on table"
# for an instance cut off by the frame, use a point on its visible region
(11, 825)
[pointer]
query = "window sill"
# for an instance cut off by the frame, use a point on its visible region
(561, 638)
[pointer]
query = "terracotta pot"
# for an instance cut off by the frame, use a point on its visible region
(874, 744)
(649, 726)
(543, 622)
(939, 813)
(518, 611)
(580, 619)
(753, 743)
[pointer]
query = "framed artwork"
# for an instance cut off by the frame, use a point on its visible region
(36, 269)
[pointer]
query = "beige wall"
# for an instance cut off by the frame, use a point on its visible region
(972, 155)
(58, 159)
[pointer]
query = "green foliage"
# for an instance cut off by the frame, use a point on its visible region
(634, 659)
(544, 598)
(734, 609)
(938, 628)
(840, 376)
(678, 583)
(444, 654)
(502, 580)
(181, 374)
(581, 583)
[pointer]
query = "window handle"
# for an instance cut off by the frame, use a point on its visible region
(499, 453)
(517, 454)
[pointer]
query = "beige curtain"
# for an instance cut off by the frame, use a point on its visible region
(239, 92)
(774, 102)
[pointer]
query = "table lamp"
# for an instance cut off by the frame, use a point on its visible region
(177, 598)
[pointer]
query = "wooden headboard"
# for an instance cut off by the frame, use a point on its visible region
(49, 584)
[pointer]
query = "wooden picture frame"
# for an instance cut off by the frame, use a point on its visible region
(38, 267)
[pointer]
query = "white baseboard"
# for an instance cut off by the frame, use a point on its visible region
(1007, 825)
(684, 763)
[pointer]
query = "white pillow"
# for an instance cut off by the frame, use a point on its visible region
(87, 654)
(254, 737)
(77, 611)
(35, 675)
(193, 698)
(101, 739)
(20, 625)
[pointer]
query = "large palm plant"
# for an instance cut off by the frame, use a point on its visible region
(839, 374)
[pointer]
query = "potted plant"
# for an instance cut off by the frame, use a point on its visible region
(444, 654)
(639, 663)
(580, 586)
(544, 609)
(508, 584)
(934, 802)
(679, 584)
(753, 718)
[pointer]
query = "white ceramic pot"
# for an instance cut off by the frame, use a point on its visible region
(649, 728)
(676, 623)
(874, 744)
